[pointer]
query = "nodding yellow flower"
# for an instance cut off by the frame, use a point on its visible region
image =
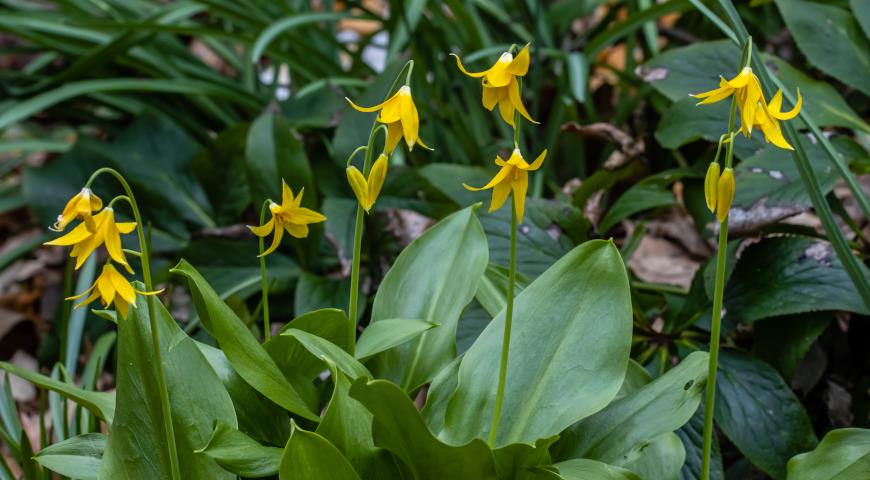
(106, 231)
(367, 191)
(112, 287)
(513, 177)
(747, 90)
(287, 216)
(399, 114)
(500, 84)
(711, 183)
(768, 119)
(81, 205)
(724, 194)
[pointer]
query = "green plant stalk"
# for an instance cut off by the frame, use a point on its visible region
(166, 412)
(264, 281)
(716, 320)
(509, 310)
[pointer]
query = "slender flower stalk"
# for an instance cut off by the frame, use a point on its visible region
(721, 207)
(165, 410)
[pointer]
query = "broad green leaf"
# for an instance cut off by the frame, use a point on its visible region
(747, 391)
(861, 10)
(314, 292)
(290, 355)
(308, 455)
(492, 290)
(244, 352)
(662, 458)
(77, 457)
(221, 169)
(258, 417)
(843, 454)
(696, 68)
(619, 433)
(388, 333)
(788, 275)
(651, 192)
(433, 280)
(557, 325)
(136, 446)
(584, 469)
(324, 349)
(347, 424)
(831, 39)
(102, 404)
(240, 454)
(521, 461)
(691, 435)
(783, 341)
(398, 427)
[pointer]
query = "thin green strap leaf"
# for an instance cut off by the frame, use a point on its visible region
(288, 23)
(386, 334)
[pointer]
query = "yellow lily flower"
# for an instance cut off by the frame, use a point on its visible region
(400, 116)
(287, 216)
(747, 90)
(500, 85)
(112, 287)
(768, 119)
(513, 177)
(81, 205)
(367, 191)
(106, 231)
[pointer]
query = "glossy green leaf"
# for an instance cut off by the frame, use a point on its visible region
(398, 427)
(747, 391)
(521, 461)
(619, 433)
(258, 417)
(77, 457)
(244, 352)
(308, 455)
(347, 424)
(102, 404)
(662, 458)
(843, 454)
(839, 48)
(583, 469)
(556, 327)
(651, 192)
(433, 280)
(314, 292)
(492, 290)
(291, 356)
(324, 349)
(136, 446)
(691, 435)
(787, 275)
(783, 341)
(861, 10)
(240, 454)
(388, 333)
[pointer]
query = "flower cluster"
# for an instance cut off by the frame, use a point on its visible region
(98, 228)
(501, 86)
(755, 111)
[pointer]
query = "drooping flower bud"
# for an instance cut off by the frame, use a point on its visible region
(724, 194)
(711, 181)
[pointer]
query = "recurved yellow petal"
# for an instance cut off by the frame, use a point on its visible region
(517, 101)
(463, 70)
(519, 186)
(263, 230)
(519, 66)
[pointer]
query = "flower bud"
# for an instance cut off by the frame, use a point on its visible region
(724, 194)
(710, 183)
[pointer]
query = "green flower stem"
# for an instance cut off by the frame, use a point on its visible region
(264, 281)
(718, 294)
(166, 412)
(357, 237)
(506, 340)
(509, 310)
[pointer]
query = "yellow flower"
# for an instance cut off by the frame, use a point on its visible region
(79, 206)
(399, 114)
(768, 119)
(746, 89)
(367, 191)
(287, 216)
(711, 182)
(84, 242)
(513, 177)
(112, 287)
(500, 84)
(724, 194)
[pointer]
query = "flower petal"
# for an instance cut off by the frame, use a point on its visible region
(538, 161)
(394, 134)
(520, 185)
(499, 195)
(298, 231)
(517, 101)
(377, 176)
(286, 194)
(276, 240)
(506, 109)
(520, 64)
(263, 230)
(789, 114)
(463, 70)
(359, 185)
(491, 96)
